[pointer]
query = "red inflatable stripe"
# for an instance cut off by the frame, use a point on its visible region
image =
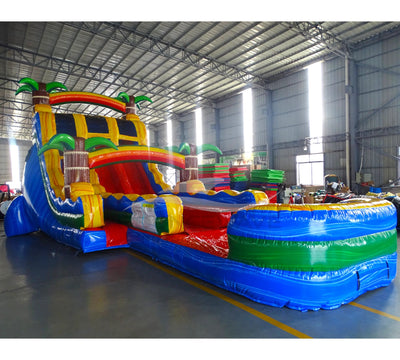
(86, 97)
(135, 155)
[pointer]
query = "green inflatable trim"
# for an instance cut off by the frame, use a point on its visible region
(120, 217)
(162, 225)
(311, 255)
(124, 218)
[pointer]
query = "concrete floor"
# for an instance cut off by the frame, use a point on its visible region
(48, 290)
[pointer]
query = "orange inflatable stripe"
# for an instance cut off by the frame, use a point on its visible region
(86, 97)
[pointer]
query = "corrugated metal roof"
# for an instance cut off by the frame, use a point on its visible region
(177, 64)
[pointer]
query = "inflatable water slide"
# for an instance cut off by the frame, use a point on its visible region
(93, 183)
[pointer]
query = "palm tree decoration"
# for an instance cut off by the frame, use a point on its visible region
(76, 156)
(40, 91)
(191, 151)
(131, 101)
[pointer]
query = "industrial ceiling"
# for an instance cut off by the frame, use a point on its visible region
(179, 65)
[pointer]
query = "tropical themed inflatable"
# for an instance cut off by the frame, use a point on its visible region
(93, 183)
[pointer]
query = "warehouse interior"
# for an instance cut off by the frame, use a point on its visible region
(324, 100)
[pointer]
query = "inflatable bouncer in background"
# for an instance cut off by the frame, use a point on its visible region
(92, 182)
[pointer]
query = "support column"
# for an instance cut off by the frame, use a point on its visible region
(217, 131)
(351, 114)
(156, 135)
(268, 129)
(355, 148)
(182, 132)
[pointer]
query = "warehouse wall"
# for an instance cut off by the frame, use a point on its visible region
(290, 122)
(231, 124)
(159, 134)
(5, 160)
(334, 125)
(281, 115)
(379, 108)
(209, 127)
(378, 102)
(261, 116)
(189, 129)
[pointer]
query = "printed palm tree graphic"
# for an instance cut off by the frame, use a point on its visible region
(132, 101)
(40, 91)
(191, 163)
(76, 156)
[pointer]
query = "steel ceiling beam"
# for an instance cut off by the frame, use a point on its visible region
(19, 129)
(135, 38)
(320, 36)
(148, 115)
(380, 36)
(13, 54)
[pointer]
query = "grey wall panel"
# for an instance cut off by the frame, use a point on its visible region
(292, 104)
(379, 158)
(285, 159)
(159, 134)
(335, 159)
(290, 133)
(231, 123)
(333, 97)
(379, 108)
(209, 126)
(5, 160)
(178, 132)
(287, 82)
(290, 112)
(189, 129)
(260, 117)
(378, 94)
(161, 139)
(5, 166)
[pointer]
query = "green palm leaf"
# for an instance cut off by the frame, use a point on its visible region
(60, 142)
(51, 87)
(142, 98)
(32, 83)
(123, 96)
(138, 99)
(23, 88)
(208, 147)
(92, 143)
(184, 148)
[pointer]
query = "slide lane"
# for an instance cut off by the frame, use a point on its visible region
(32, 212)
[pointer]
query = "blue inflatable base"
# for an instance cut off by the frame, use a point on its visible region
(296, 290)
